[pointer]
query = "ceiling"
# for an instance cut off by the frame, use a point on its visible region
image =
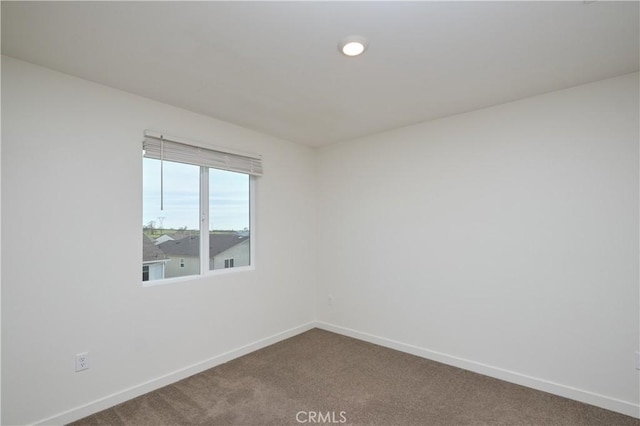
(274, 66)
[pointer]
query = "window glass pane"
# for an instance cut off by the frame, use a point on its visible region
(229, 221)
(145, 272)
(171, 237)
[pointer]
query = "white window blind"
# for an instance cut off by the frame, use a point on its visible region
(162, 147)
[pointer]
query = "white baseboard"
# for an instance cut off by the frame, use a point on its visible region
(135, 391)
(619, 406)
(624, 407)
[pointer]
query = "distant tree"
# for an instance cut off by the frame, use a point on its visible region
(151, 226)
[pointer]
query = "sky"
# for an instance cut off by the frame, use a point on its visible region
(228, 197)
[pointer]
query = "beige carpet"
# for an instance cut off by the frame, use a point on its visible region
(322, 377)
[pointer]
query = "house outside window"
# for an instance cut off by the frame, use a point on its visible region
(153, 260)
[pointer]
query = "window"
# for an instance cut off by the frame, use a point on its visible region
(145, 272)
(196, 207)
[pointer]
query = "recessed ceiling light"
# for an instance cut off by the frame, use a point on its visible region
(353, 45)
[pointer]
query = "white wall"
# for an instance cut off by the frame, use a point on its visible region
(0, 250)
(503, 240)
(72, 194)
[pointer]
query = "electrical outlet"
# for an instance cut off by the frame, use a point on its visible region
(82, 361)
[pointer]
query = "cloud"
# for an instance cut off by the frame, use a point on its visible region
(228, 196)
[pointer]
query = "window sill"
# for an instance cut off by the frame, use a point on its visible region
(208, 274)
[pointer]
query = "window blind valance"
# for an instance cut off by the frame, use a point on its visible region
(162, 147)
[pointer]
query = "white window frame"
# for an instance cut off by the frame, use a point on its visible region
(204, 228)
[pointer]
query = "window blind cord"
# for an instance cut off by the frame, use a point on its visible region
(161, 173)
